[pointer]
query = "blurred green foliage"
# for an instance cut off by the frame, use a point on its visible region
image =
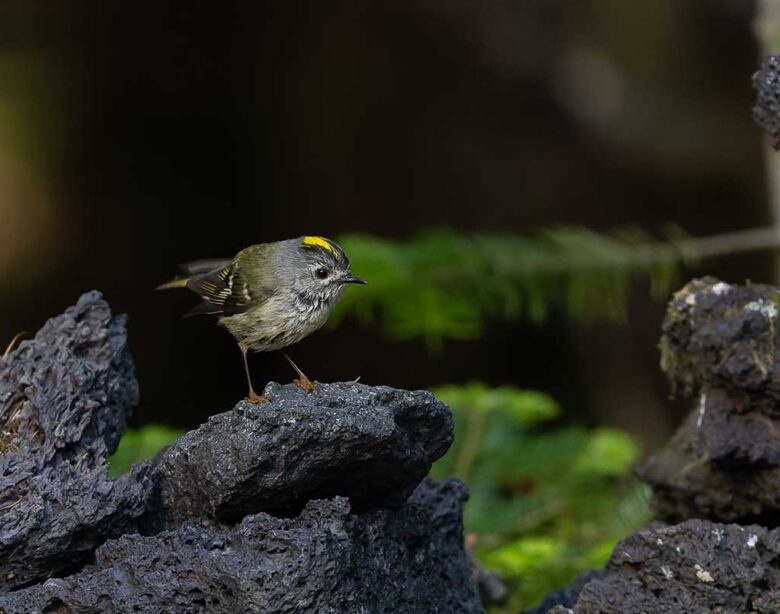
(547, 501)
(445, 285)
(140, 444)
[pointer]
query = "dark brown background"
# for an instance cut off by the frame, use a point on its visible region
(135, 135)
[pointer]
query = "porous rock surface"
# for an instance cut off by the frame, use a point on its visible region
(65, 396)
(720, 346)
(327, 559)
(696, 566)
(718, 335)
(766, 111)
(371, 444)
(194, 531)
(716, 544)
(563, 599)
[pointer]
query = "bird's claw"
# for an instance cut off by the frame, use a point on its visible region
(257, 399)
(304, 383)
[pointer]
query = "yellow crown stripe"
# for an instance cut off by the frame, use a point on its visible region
(319, 242)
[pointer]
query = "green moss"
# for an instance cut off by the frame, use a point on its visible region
(774, 297)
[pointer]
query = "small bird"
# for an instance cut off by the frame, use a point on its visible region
(271, 295)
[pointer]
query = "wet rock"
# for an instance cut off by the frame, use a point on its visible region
(717, 335)
(720, 344)
(723, 464)
(371, 444)
(696, 566)
(183, 534)
(766, 111)
(64, 399)
(562, 600)
(328, 560)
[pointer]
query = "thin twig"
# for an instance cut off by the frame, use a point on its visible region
(15, 411)
(11, 345)
(729, 243)
(11, 505)
(644, 254)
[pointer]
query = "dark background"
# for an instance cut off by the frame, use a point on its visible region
(135, 136)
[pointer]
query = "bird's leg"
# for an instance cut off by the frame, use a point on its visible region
(252, 397)
(303, 382)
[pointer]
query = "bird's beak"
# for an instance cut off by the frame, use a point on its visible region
(352, 279)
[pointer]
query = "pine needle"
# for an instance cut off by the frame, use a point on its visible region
(13, 343)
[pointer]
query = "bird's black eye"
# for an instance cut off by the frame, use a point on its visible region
(322, 272)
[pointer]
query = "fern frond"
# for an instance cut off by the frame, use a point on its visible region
(446, 285)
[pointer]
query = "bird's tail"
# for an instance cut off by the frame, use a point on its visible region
(179, 282)
(192, 269)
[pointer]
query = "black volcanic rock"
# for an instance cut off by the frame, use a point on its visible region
(720, 344)
(718, 335)
(326, 560)
(183, 534)
(562, 600)
(722, 464)
(696, 566)
(371, 444)
(766, 111)
(64, 399)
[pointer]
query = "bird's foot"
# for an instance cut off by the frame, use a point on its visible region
(304, 383)
(257, 399)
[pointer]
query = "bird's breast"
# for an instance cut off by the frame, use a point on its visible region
(277, 323)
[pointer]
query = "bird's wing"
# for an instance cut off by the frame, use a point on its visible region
(203, 266)
(225, 291)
